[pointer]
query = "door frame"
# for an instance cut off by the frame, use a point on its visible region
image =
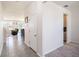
(63, 27)
(68, 26)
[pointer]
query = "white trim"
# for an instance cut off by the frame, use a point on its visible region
(40, 55)
(68, 25)
(36, 52)
(52, 50)
(27, 44)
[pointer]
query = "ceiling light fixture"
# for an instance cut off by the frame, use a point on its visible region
(66, 6)
(44, 1)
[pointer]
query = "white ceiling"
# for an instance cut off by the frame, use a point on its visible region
(14, 10)
(26, 3)
(69, 3)
(16, 3)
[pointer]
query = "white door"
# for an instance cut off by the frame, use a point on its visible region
(33, 41)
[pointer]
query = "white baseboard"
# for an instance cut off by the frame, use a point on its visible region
(40, 55)
(75, 42)
(27, 44)
(36, 52)
(68, 41)
(52, 50)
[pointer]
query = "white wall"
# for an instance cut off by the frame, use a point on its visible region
(75, 23)
(34, 14)
(53, 27)
(39, 28)
(1, 29)
(48, 24)
(1, 36)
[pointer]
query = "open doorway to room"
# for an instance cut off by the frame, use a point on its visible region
(65, 28)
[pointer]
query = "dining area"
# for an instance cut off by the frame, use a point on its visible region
(13, 28)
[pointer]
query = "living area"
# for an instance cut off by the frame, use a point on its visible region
(14, 40)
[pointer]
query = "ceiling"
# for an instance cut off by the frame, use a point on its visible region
(16, 3)
(14, 10)
(69, 3)
(26, 3)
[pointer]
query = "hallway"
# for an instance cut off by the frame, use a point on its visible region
(14, 46)
(68, 50)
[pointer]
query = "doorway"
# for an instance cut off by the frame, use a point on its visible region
(65, 29)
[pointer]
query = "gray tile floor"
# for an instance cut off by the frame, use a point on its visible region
(14, 47)
(68, 50)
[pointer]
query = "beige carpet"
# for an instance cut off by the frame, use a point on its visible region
(68, 50)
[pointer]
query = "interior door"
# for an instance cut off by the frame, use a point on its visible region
(33, 41)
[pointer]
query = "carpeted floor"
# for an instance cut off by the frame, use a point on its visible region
(68, 50)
